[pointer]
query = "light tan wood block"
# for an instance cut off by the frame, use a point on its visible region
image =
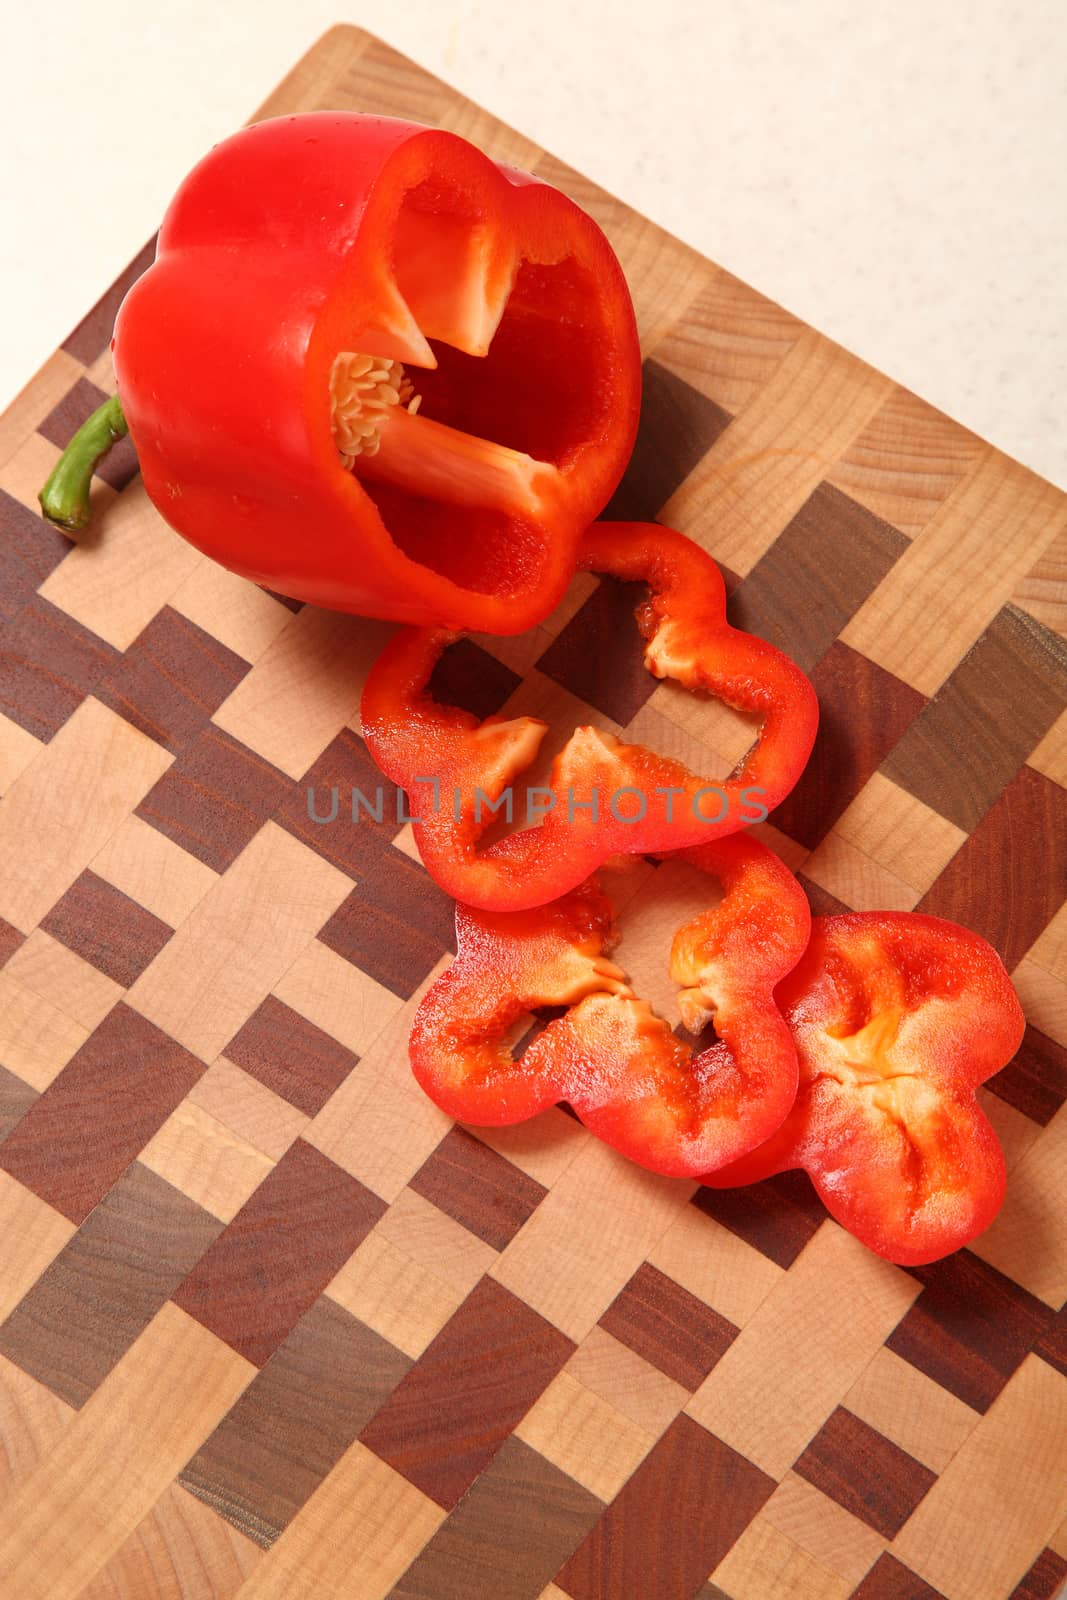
(1050, 756)
(721, 734)
(631, 1385)
(248, 1108)
(1013, 1129)
(36, 1038)
(1043, 591)
(919, 1415)
(839, 1541)
(303, 688)
(958, 572)
(759, 473)
(67, 981)
(28, 466)
(803, 1349)
(238, 941)
(1050, 949)
(856, 878)
(182, 1550)
(728, 342)
(404, 1301)
(715, 1265)
(588, 1237)
(338, 997)
(33, 1234)
(32, 1421)
(434, 1241)
(899, 832)
(154, 871)
(1001, 1497)
(206, 1161)
(232, 609)
(765, 1564)
(114, 582)
(35, 400)
(491, 135)
(130, 1439)
(48, 833)
(584, 1436)
(359, 1531)
(17, 750)
(1028, 1239)
(378, 1124)
(1044, 999)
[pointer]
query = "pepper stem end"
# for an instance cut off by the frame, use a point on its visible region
(65, 497)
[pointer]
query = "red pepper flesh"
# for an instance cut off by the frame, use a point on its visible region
(314, 274)
(898, 1018)
(413, 738)
(630, 1080)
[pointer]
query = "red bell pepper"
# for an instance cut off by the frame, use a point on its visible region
(630, 1080)
(372, 369)
(605, 797)
(897, 1018)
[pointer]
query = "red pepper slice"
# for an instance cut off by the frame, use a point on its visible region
(630, 1080)
(898, 1018)
(414, 739)
(302, 266)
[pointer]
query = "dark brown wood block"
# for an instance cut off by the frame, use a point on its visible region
(1043, 1580)
(688, 1502)
(478, 1188)
(93, 334)
(991, 884)
(111, 931)
(30, 548)
(865, 1472)
(1052, 1345)
(215, 798)
(863, 711)
(1035, 1080)
(280, 1251)
(106, 1284)
(469, 677)
(890, 1579)
(970, 1328)
(670, 1327)
(507, 1537)
(173, 677)
(291, 1055)
(984, 721)
(776, 1217)
(586, 658)
(119, 466)
(16, 1098)
(48, 664)
(445, 1422)
(10, 939)
(395, 925)
(816, 575)
(352, 842)
(294, 1421)
(678, 427)
(100, 1112)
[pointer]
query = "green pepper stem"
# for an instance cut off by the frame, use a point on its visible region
(65, 497)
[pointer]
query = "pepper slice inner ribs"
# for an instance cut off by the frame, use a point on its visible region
(608, 797)
(898, 1018)
(629, 1078)
(373, 369)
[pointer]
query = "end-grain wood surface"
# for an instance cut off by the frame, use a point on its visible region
(275, 1328)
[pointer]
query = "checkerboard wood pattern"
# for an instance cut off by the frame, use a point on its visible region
(273, 1328)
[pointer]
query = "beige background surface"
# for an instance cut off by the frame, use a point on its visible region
(892, 173)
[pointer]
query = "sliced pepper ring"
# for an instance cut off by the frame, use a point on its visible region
(412, 737)
(898, 1018)
(374, 369)
(630, 1080)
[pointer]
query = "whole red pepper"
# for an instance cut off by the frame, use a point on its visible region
(631, 1081)
(604, 798)
(374, 370)
(898, 1018)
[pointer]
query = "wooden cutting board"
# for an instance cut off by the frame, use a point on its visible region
(273, 1327)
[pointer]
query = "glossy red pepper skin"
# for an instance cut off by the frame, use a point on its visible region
(306, 236)
(412, 737)
(630, 1080)
(898, 1018)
